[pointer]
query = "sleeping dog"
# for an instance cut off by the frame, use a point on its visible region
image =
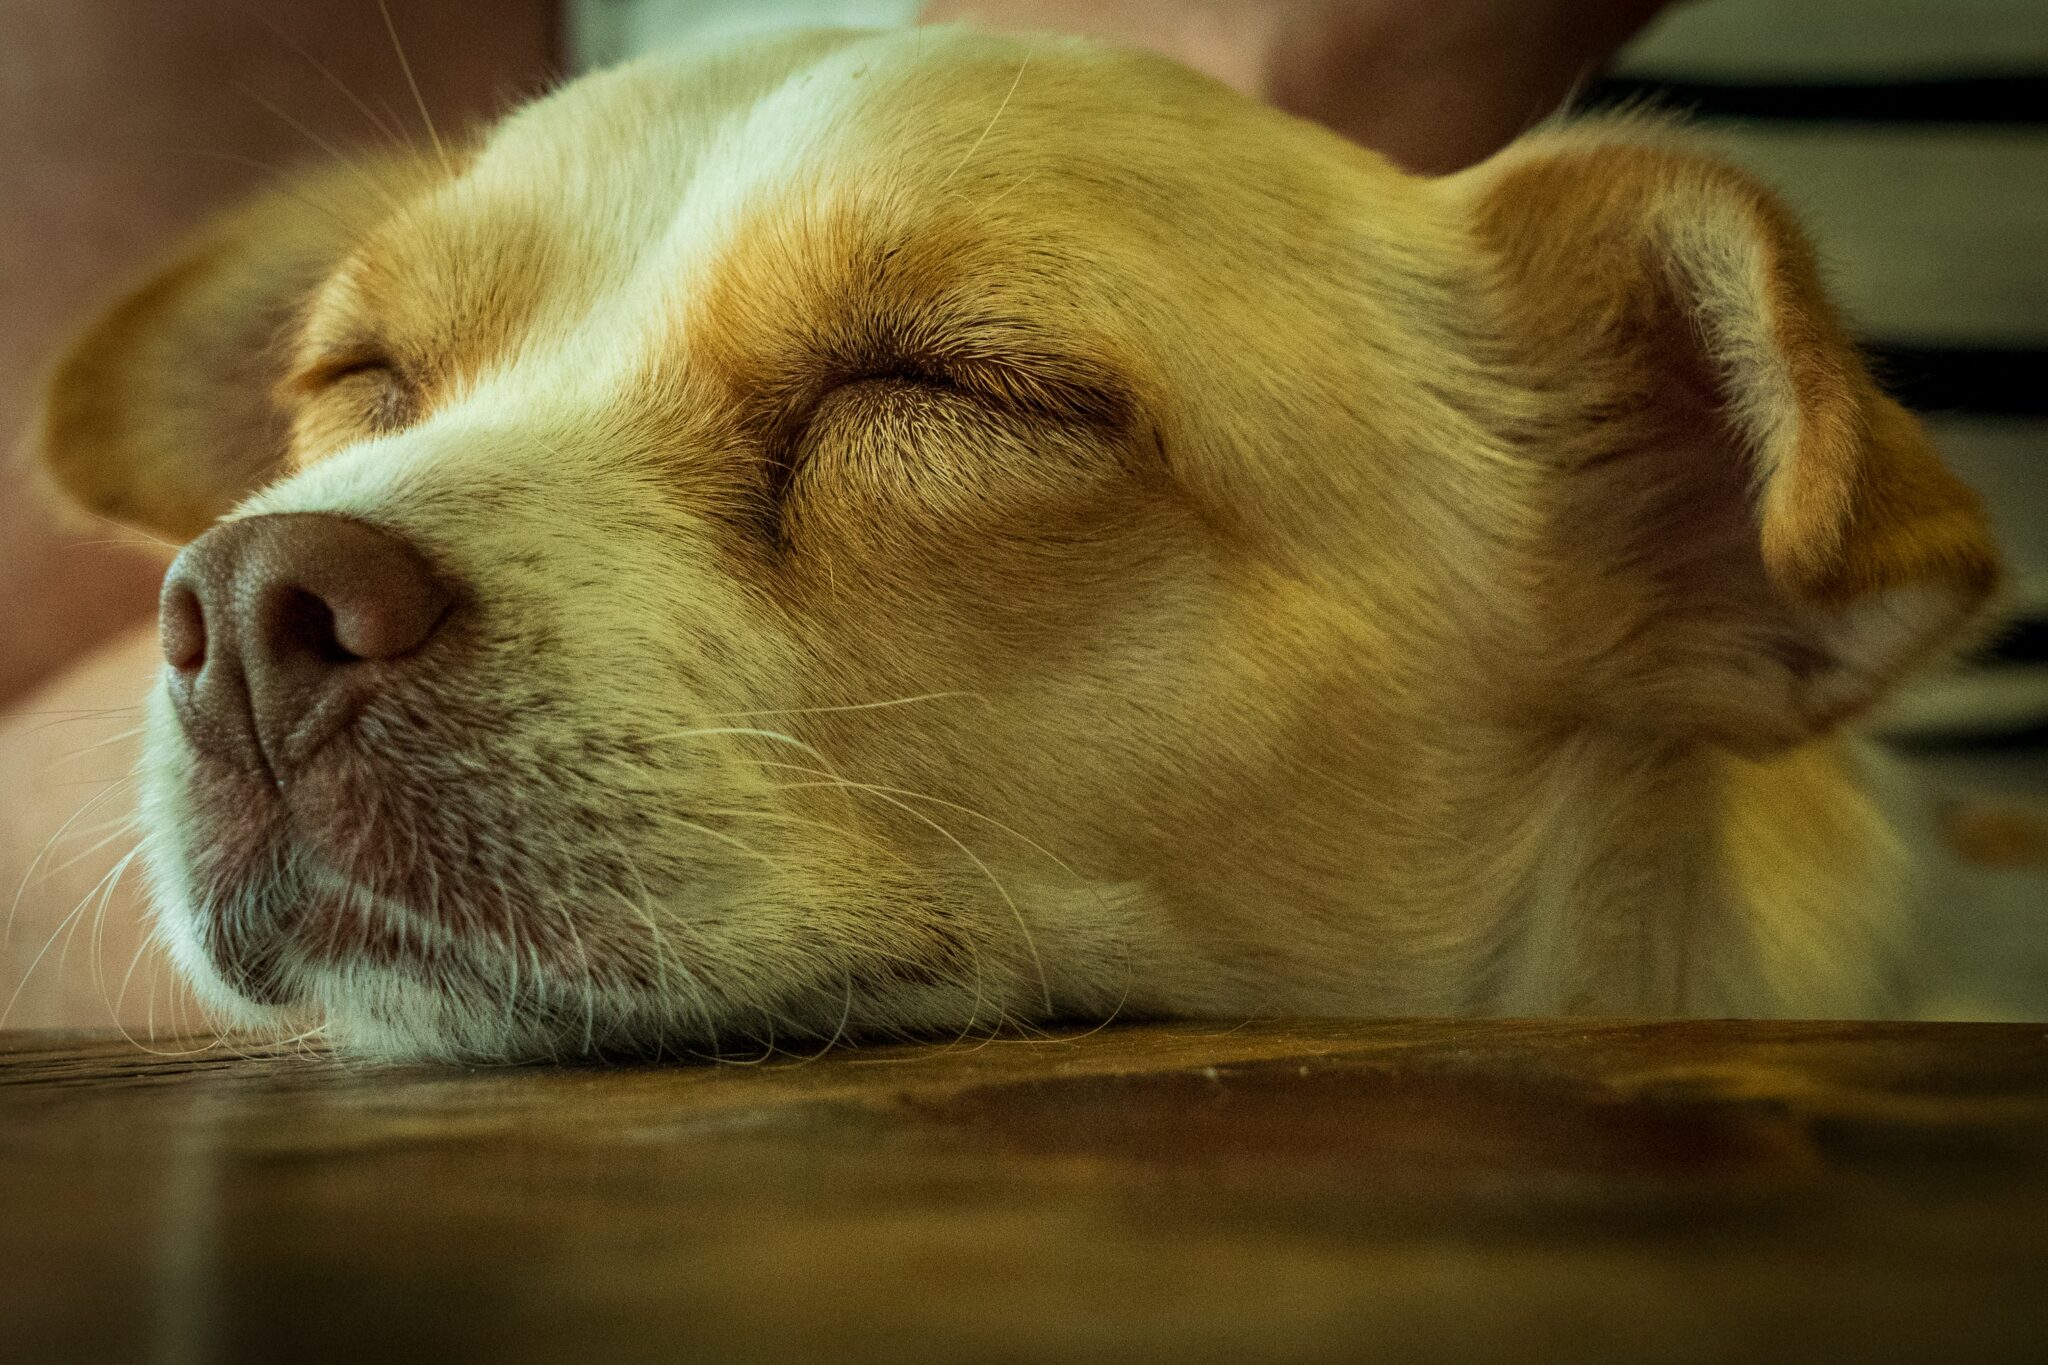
(857, 535)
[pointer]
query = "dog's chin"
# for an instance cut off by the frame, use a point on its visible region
(383, 998)
(297, 952)
(277, 944)
(398, 1011)
(327, 967)
(382, 994)
(278, 940)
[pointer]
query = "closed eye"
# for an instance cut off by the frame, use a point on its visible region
(364, 388)
(1003, 378)
(904, 376)
(353, 368)
(327, 372)
(1035, 385)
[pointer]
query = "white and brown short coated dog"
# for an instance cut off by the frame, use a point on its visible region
(859, 534)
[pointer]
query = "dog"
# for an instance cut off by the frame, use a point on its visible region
(860, 535)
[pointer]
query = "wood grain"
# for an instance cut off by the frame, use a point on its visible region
(1474, 1190)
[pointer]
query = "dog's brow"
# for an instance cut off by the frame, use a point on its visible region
(793, 310)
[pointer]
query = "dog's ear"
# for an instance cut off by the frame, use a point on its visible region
(1757, 540)
(162, 414)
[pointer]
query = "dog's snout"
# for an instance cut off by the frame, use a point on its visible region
(277, 628)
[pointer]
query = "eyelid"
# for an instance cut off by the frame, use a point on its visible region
(1053, 386)
(345, 365)
(1061, 387)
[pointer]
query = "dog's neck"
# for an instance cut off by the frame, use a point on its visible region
(1689, 881)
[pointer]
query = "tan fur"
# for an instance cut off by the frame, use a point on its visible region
(1185, 564)
(162, 414)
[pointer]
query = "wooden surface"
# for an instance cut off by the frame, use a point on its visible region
(1398, 1191)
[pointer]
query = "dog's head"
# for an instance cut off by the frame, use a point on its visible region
(859, 533)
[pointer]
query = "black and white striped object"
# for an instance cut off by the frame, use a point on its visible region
(1912, 137)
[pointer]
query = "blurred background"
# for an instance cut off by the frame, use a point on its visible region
(1912, 135)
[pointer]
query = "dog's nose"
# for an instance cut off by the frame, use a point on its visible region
(277, 629)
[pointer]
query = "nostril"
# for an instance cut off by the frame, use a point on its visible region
(321, 593)
(181, 628)
(397, 614)
(305, 625)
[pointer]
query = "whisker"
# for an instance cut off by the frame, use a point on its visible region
(69, 922)
(809, 822)
(117, 542)
(72, 716)
(1130, 976)
(85, 750)
(589, 980)
(709, 732)
(845, 1018)
(825, 710)
(28, 874)
(968, 811)
(661, 966)
(152, 941)
(376, 121)
(124, 527)
(418, 99)
(97, 941)
(1017, 80)
(127, 825)
(739, 844)
(1024, 929)
(992, 200)
(348, 162)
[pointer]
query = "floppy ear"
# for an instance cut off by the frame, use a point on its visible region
(162, 414)
(1748, 539)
